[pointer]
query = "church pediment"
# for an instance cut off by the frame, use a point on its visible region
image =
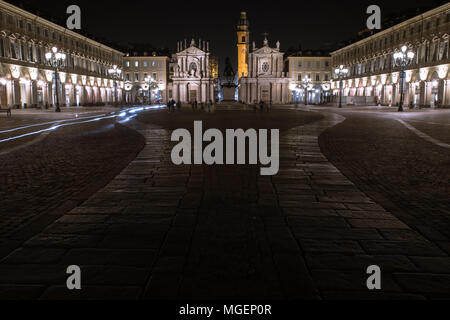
(266, 50)
(192, 51)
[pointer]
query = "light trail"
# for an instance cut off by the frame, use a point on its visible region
(50, 122)
(123, 114)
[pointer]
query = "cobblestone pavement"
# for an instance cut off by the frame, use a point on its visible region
(408, 176)
(42, 181)
(159, 231)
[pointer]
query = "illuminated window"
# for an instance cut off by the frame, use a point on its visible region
(127, 63)
(136, 64)
(145, 63)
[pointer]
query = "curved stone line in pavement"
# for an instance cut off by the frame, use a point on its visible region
(424, 135)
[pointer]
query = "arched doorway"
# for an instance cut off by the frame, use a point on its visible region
(436, 90)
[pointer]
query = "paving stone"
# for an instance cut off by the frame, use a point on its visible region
(372, 295)
(432, 264)
(20, 292)
(294, 275)
(34, 256)
(48, 240)
(162, 286)
(110, 257)
(92, 293)
(424, 283)
(377, 223)
(350, 280)
(389, 263)
(337, 246)
(304, 222)
(92, 218)
(33, 274)
(417, 248)
(326, 233)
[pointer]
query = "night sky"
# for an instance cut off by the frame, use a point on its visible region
(313, 24)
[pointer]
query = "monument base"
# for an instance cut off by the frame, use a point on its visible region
(229, 92)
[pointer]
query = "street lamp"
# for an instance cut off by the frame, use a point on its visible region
(402, 59)
(306, 82)
(115, 73)
(341, 73)
(56, 60)
(152, 85)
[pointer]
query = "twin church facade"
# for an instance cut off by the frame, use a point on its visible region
(260, 70)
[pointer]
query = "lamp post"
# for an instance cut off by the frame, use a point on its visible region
(115, 73)
(402, 59)
(306, 82)
(56, 60)
(341, 73)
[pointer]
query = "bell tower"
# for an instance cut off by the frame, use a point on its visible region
(243, 35)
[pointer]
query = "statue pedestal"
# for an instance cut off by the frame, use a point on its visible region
(229, 92)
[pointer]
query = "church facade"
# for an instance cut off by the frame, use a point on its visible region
(191, 73)
(265, 79)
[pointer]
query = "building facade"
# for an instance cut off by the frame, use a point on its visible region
(26, 79)
(266, 80)
(146, 78)
(373, 78)
(316, 65)
(191, 73)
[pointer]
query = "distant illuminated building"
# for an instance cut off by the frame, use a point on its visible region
(192, 73)
(138, 69)
(243, 35)
(374, 79)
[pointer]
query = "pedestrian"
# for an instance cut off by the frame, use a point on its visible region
(261, 105)
(195, 104)
(179, 105)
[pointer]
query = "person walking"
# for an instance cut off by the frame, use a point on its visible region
(179, 105)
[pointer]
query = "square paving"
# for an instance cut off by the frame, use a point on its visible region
(159, 231)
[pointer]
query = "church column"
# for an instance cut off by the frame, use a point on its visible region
(250, 65)
(175, 92)
(211, 93)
